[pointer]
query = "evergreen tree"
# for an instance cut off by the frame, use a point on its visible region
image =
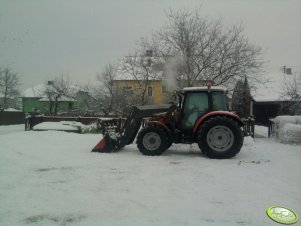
(247, 98)
(237, 98)
(241, 98)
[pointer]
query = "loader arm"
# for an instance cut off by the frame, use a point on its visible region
(130, 128)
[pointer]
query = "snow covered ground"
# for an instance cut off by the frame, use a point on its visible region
(52, 178)
(59, 126)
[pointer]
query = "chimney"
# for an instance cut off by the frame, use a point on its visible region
(287, 70)
(149, 53)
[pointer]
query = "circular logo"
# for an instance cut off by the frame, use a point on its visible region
(282, 215)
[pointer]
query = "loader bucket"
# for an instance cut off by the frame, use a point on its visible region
(105, 145)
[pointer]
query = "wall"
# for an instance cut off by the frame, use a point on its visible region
(266, 110)
(43, 106)
(157, 97)
(33, 102)
(11, 118)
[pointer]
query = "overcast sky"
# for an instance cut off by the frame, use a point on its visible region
(41, 39)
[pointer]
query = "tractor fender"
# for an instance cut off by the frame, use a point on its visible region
(157, 123)
(205, 117)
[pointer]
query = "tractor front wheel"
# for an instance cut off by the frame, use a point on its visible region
(220, 137)
(152, 141)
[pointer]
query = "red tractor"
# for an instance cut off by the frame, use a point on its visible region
(200, 115)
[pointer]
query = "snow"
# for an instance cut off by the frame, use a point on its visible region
(70, 126)
(5, 129)
(35, 91)
(39, 92)
(288, 128)
(283, 119)
(61, 126)
(52, 178)
(205, 88)
(63, 98)
(271, 90)
(290, 133)
(261, 131)
(12, 110)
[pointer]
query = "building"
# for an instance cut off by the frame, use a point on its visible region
(147, 80)
(269, 100)
(155, 92)
(35, 99)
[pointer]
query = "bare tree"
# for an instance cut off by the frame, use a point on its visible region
(107, 97)
(139, 68)
(207, 49)
(57, 90)
(104, 95)
(9, 92)
(87, 102)
(291, 91)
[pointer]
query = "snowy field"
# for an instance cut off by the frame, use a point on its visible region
(52, 178)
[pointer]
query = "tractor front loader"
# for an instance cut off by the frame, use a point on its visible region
(121, 134)
(200, 116)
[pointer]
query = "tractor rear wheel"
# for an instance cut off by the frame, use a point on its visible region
(152, 141)
(220, 137)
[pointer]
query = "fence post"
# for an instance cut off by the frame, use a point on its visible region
(270, 128)
(249, 126)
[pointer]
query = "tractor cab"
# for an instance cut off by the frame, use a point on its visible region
(194, 102)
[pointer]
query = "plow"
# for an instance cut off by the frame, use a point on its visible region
(199, 115)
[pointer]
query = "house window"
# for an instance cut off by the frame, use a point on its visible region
(70, 106)
(127, 90)
(149, 91)
(164, 88)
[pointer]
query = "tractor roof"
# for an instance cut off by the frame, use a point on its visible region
(204, 88)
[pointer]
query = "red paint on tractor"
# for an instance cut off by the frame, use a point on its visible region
(213, 113)
(100, 146)
(160, 118)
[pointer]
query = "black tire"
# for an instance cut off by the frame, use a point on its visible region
(168, 143)
(152, 141)
(169, 140)
(220, 137)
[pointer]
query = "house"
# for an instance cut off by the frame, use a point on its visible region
(35, 99)
(148, 78)
(139, 80)
(155, 90)
(269, 101)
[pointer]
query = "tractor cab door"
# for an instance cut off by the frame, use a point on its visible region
(195, 104)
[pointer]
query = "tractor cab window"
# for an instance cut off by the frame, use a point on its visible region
(195, 105)
(177, 99)
(219, 101)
